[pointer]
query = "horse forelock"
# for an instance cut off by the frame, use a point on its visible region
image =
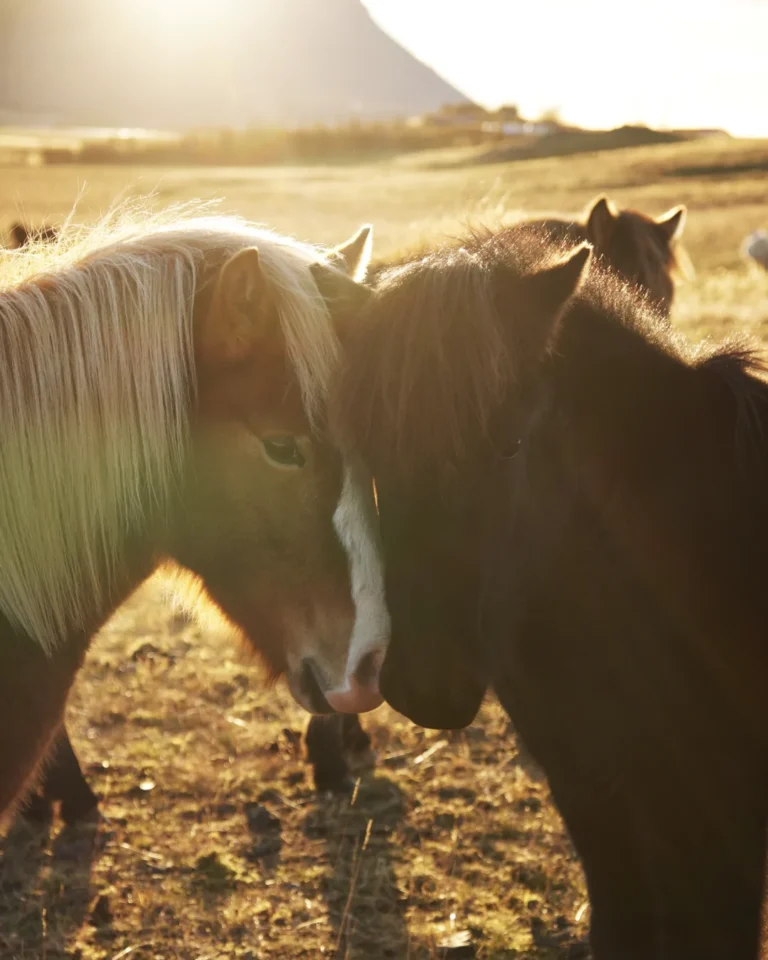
(97, 339)
(311, 340)
(437, 350)
(429, 365)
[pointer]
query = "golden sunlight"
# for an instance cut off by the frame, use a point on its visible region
(182, 16)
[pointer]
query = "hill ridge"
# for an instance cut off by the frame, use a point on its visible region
(229, 63)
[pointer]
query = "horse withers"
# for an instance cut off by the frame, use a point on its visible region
(162, 404)
(572, 510)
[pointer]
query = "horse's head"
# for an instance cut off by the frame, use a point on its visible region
(279, 530)
(643, 250)
(434, 399)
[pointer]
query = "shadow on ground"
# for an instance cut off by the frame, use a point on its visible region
(45, 886)
(366, 908)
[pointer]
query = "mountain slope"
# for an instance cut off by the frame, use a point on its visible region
(155, 63)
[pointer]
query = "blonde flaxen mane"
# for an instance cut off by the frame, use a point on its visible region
(96, 393)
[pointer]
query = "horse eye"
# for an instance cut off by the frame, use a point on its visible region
(283, 451)
(512, 449)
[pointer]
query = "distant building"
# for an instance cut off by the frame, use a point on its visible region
(505, 121)
(520, 128)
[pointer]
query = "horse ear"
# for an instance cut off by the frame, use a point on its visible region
(354, 256)
(242, 310)
(672, 223)
(554, 286)
(343, 297)
(547, 295)
(601, 221)
(19, 236)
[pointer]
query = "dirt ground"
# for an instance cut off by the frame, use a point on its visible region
(177, 734)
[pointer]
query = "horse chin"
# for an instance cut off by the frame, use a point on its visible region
(441, 712)
(307, 695)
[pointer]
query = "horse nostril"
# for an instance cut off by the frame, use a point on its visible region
(367, 671)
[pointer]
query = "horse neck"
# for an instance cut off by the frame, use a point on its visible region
(649, 425)
(653, 440)
(633, 402)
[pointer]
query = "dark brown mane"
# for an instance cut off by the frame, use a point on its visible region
(431, 361)
(437, 348)
(745, 373)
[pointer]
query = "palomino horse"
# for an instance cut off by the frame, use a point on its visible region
(162, 392)
(645, 251)
(331, 741)
(573, 511)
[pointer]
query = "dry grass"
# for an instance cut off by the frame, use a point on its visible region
(450, 833)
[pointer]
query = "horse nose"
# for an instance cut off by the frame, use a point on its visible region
(361, 691)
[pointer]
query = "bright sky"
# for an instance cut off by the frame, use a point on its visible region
(695, 63)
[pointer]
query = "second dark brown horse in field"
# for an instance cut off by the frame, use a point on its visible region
(645, 251)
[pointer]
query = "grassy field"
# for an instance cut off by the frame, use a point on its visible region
(449, 834)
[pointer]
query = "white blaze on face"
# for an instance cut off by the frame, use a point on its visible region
(355, 527)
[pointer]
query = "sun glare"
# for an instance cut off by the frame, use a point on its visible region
(706, 68)
(185, 18)
(182, 13)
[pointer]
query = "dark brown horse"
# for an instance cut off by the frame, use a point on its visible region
(573, 512)
(645, 251)
(160, 404)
